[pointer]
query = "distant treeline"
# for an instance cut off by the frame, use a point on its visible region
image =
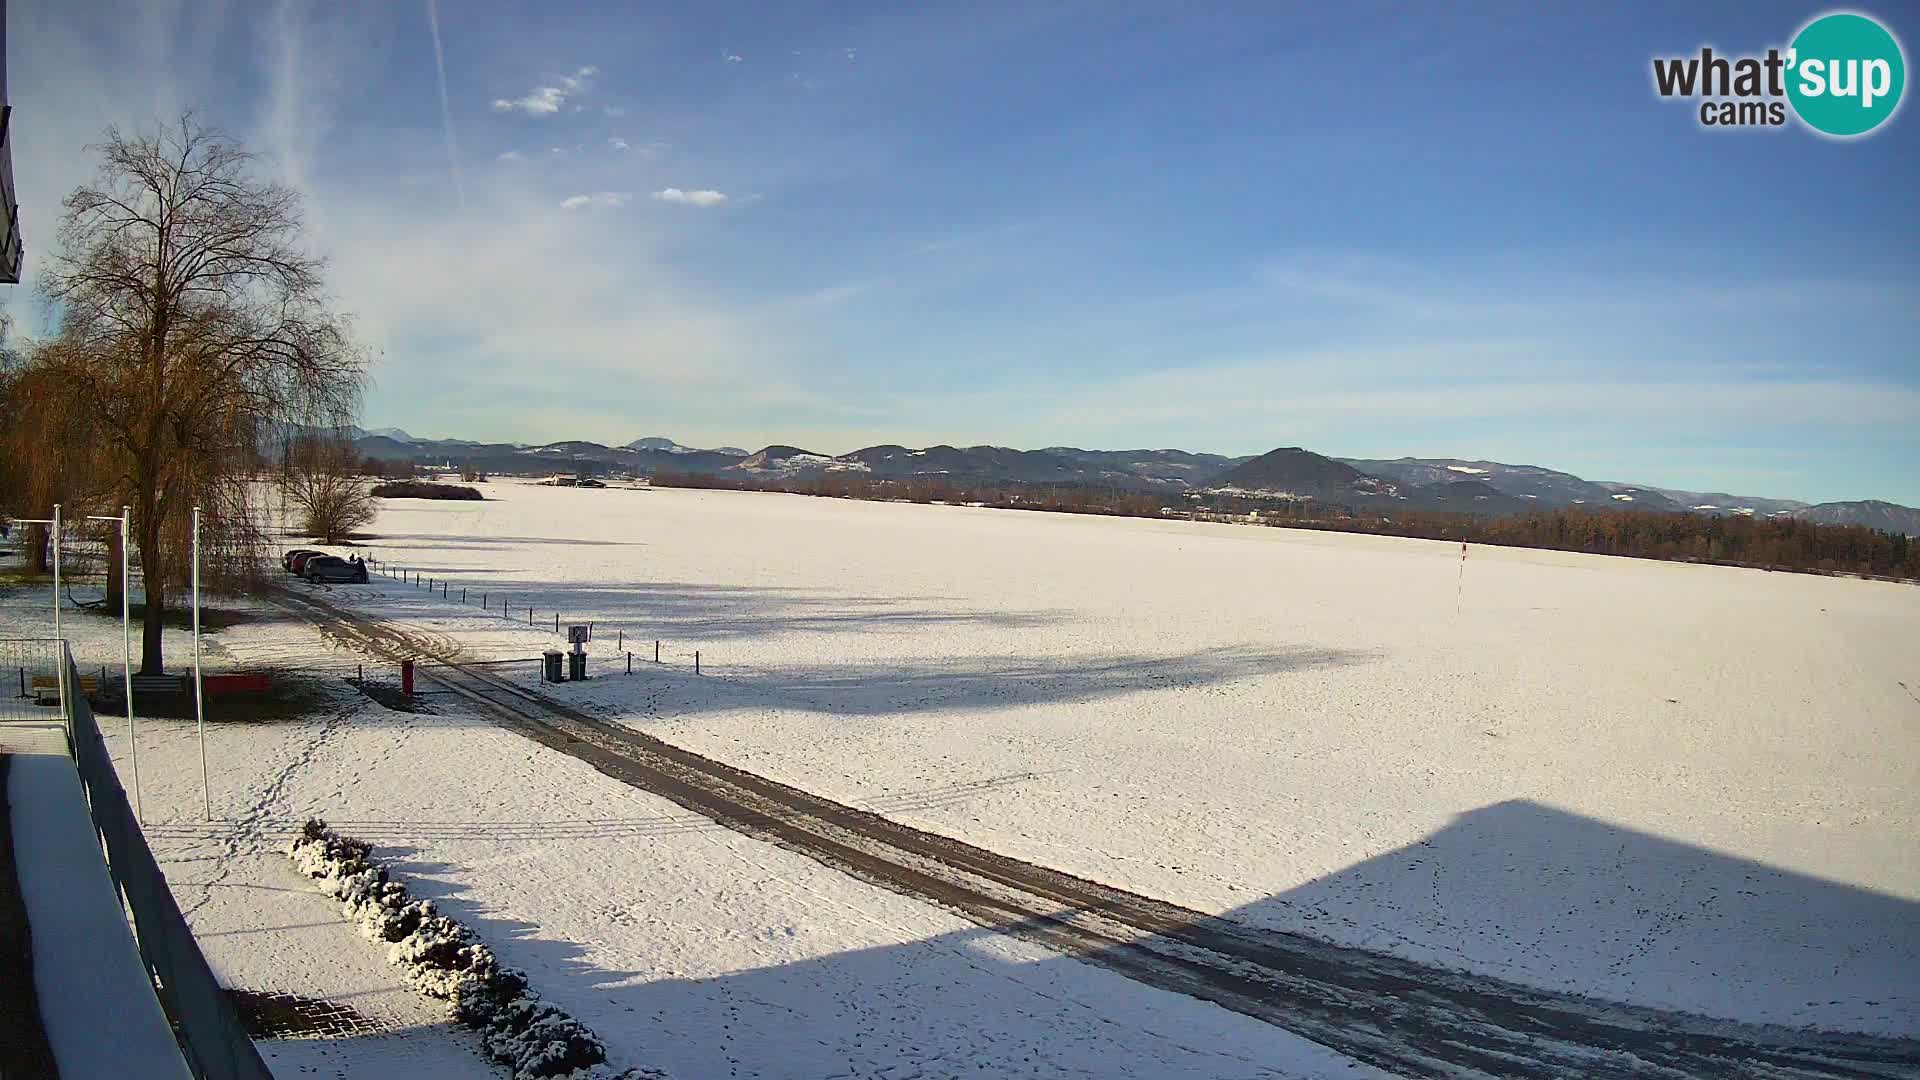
(423, 489)
(1060, 498)
(1769, 543)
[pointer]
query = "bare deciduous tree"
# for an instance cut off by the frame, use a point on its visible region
(320, 480)
(48, 459)
(194, 328)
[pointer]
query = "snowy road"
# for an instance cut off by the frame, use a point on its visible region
(1398, 1014)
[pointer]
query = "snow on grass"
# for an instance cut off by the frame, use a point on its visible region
(260, 926)
(681, 945)
(532, 1038)
(1689, 787)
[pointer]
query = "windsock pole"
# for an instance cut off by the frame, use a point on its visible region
(1460, 583)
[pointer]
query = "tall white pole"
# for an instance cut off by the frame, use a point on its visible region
(56, 571)
(126, 649)
(125, 525)
(199, 711)
(66, 706)
(1460, 581)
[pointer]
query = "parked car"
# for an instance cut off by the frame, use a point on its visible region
(298, 563)
(319, 568)
(287, 560)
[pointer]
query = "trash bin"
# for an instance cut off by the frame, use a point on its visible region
(551, 671)
(576, 665)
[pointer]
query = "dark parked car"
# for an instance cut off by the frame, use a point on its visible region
(320, 568)
(290, 557)
(298, 564)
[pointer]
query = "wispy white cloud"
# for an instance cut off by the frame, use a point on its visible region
(734, 57)
(604, 200)
(547, 100)
(614, 111)
(648, 150)
(512, 155)
(541, 101)
(821, 298)
(703, 199)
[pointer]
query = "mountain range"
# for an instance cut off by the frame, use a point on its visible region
(1288, 473)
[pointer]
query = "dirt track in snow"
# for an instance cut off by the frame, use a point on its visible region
(1410, 1018)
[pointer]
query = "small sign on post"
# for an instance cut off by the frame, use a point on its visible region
(577, 659)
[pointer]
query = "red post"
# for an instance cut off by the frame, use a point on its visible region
(406, 677)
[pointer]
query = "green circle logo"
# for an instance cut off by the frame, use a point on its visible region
(1845, 73)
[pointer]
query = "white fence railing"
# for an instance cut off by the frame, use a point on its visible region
(211, 1035)
(32, 686)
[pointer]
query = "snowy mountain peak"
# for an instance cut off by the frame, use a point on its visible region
(659, 442)
(666, 445)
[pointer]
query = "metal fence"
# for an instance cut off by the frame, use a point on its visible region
(635, 647)
(212, 1037)
(30, 679)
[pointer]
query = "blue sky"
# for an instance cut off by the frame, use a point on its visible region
(1372, 230)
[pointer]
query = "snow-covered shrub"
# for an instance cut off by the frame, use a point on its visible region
(533, 1038)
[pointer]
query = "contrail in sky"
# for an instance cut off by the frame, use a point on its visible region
(446, 114)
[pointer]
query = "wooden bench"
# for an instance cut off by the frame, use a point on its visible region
(160, 684)
(46, 688)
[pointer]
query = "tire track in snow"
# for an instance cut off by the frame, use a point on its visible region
(1400, 1015)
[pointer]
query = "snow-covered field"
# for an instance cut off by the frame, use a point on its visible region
(1683, 786)
(684, 946)
(1687, 787)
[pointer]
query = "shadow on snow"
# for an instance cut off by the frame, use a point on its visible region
(1537, 902)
